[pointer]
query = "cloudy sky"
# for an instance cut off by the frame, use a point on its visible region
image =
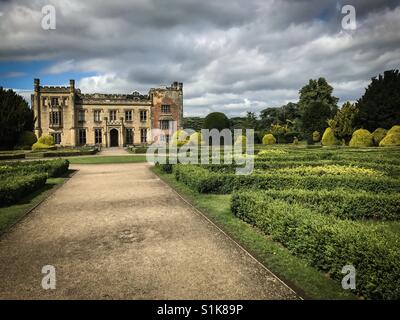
(232, 56)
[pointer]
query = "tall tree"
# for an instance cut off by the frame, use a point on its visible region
(379, 107)
(15, 117)
(317, 105)
(314, 118)
(250, 122)
(317, 91)
(290, 112)
(269, 116)
(343, 123)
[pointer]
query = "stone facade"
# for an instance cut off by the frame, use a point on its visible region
(108, 120)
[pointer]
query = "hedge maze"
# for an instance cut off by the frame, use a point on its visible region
(330, 207)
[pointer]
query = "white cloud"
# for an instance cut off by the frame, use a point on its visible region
(240, 57)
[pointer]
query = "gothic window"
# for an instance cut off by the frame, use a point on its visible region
(81, 115)
(128, 115)
(97, 136)
(97, 114)
(113, 115)
(165, 108)
(164, 124)
(143, 115)
(82, 136)
(143, 135)
(128, 136)
(57, 137)
(55, 118)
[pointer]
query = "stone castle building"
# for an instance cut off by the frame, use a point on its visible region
(77, 119)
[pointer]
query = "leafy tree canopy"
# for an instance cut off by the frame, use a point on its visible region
(379, 107)
(317, 91)
(195, 123)
(216, 120)
(343, 123)
(15, 117)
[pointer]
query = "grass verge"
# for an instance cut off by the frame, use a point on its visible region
(11, 214)
(307, 281)
(107, 159)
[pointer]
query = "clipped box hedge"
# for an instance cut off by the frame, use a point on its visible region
(327, 242)
(388, 169)
(52, 168)
(205, 181)
(343, 204)
(11, 156)
(15, 187)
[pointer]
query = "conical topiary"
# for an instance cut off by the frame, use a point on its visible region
(328, 138)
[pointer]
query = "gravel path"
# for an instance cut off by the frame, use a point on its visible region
(118, 232)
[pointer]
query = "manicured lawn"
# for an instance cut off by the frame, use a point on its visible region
(107, 159)
(307, 281)
(9, 215)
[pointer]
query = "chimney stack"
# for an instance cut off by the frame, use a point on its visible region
(36, 84)
(72, 85)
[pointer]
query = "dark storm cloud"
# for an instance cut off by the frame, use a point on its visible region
(233, 56)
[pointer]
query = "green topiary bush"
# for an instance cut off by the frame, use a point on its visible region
(269, 139)
(378, 135)
(316, 136)
(216, 120)
(328, 138)
(390, 140)
(46, 139)
(45, 142)
(394, 129)
(361, 138)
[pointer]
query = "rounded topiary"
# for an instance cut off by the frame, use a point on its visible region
(216, 120)
(179, 138)
(361, 138)
(26, 138)
(390, 140)
(394, 129)
(316, 136)
(328, 138)
(46, 139)
(269, 139)
(378, 135)
(44, 142)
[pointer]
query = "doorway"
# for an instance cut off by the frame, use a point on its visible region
(113, 138)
